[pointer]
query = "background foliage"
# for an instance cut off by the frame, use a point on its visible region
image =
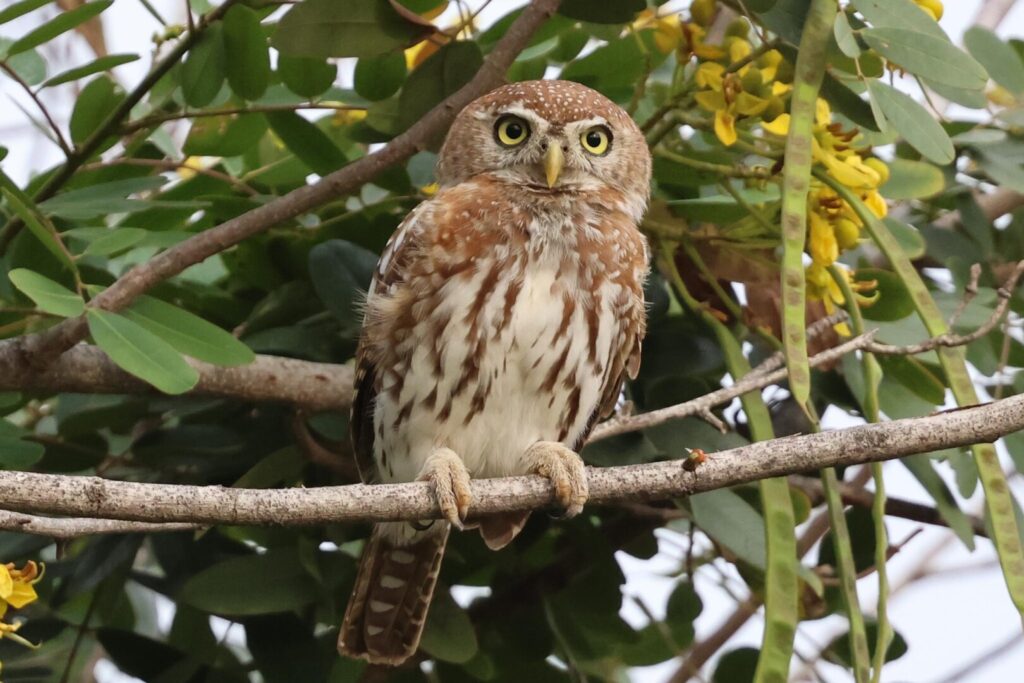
(262, 98)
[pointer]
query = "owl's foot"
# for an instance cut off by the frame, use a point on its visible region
(564, 467)
(446, 471)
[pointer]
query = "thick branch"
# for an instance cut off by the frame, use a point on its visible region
(41, 348)
(100, 498)
(87, 369)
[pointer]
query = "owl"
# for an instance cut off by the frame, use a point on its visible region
(502, 320)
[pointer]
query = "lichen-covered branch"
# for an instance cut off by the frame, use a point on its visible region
(105, 499)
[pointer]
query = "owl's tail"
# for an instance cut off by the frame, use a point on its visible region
(394, 586)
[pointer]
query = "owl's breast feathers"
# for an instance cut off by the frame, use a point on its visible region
(498, 317)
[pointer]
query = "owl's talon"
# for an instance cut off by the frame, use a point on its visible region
(565, 468)
(446, 471)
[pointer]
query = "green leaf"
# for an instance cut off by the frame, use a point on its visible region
(48, 295)
(681, 611)
(613, 68)
(248, 68)
(722, 208)
(205, 68)
(358, 28)
(19, 8)
(228, 135)
(92, 106)
(140, 352)
(902, 14)
(29, 65)
(910, 238)
(972, 99)
(913, 122)
(1001, 61)
(65, 21)
(927, 56)
(845, 39)
(923, 469)
(37, 223)
(341, 271)
(604, 12)
(378, 78)
(443, 73)
(838, 650)
(910, 179)
(18, 454)
(307, 76)
(731, 521)
(448, 634)
(307, 142)
(894, 302)
(93, 67)
(188, 333)
(226, 588)
(736, 666)
(102, 199)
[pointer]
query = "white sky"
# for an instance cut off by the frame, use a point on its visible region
(948, 619)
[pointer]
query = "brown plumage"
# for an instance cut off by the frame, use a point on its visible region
(503, 317)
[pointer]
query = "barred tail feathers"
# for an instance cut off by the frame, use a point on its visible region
(393, 590)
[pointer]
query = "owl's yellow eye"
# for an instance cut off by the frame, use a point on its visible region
(511, 131)
(596, 140)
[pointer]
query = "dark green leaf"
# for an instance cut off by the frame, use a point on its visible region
(306, 76)
(15, 452)
(248, 68)
(448, 634)
(48, 295)
(38, 224)
(188, 333)
(894, 302)
(378, 78)
(839, 649)
(93, 67)
(683, 607)
(913, 122)
(613, 69)
(307, 142)
(224, 136)
(17, 9)
(1001, 61)
(736, 666)
(910, 239)
(205, 68)
(927, 56)
(731, 521)
(604, 12)
(227, 588)
(140, 352)
(102, 199)
(65, 21)
(359, 28)
(341, 271)
(439, 76)
(92, 106)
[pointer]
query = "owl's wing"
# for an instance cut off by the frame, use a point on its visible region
(624, 362)
(390, 273)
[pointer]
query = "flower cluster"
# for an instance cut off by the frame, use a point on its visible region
(17, 589)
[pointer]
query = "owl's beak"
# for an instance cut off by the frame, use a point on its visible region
(553, 162)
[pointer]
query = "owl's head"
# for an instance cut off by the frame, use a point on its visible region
(547, 136)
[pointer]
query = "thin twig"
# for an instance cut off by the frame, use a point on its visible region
(58, 135)
(157, 119)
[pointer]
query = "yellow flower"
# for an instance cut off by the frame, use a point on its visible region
(668, 29)
(430, 190)
(693, 43)
(821, 240)
(190, 167)
(932, 7)
(832, 148)
(725, 96)
(17, 589)
(16, 585)
(345, 117)
(821, 286)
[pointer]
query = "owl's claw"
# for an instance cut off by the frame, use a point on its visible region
(446, 471)
(565, 468)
